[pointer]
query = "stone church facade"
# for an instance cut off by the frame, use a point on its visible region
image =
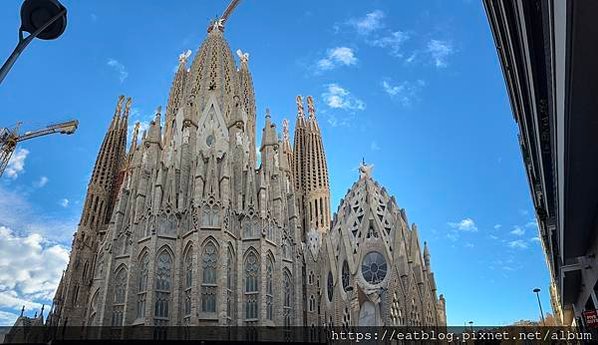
(188, 226)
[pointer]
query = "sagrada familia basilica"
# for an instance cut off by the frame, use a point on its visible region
(192, 226)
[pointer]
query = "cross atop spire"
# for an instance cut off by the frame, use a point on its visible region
(365, 170)
(219, 23)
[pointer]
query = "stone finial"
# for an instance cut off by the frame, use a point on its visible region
(311, 109)
(365, 170)
(268, 113)
(243, 57)
(119, 105)
(128, 107)
(285, 130)
(184, 56)
(22, 310)
(300, 112)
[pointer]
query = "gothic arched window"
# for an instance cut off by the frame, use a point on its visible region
(251, 286)
(208, 285)
(312, 303)
(188, 266)
(287, 308)
(230, 285)
(118, 306)
(330, 287)
(163, 284)
(142, 285)
(269, 289)
(286, 247)
(346, 277)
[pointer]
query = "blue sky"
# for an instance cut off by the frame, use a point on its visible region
(413, 86)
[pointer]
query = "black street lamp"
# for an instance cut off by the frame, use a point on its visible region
(471, 325)
(44, 19)
(537, 291)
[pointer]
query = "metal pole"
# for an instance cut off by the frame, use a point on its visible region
(537, 291)
(23, 42)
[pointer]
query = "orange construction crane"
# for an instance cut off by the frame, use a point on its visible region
(10, 137)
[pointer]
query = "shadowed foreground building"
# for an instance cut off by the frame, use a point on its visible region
(184, 228)
(548, 55)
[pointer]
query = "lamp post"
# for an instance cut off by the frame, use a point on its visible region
(537, 291)
(471, 325)
(44, 19)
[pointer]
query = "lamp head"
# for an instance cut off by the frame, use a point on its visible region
(36, 13)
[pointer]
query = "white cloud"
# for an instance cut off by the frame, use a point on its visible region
(30, 269)
(533, 224)
(335, 57)
(394, 42)
(497, 226)
(16, 164)
(374, 146)
(466, 224)
(440, 51)
(18, 213)
(469, 245)
(7, 319)
(64, 202)
(41, 182)
(493, 237)
(119, 68)
(453, 236)
(337, 97)
(370, 22)
(517, 231)
(535, 239)
(405, 92)
(518, 244)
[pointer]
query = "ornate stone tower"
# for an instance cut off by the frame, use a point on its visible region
(311, 170)
(73, 291)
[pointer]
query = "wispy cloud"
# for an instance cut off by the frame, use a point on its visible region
(16, 164)
(119, 68)
(440, 51)
(42, 182)
(518, 231)
(518, 244)
(374, 146)
(369, 23)
(335, 57)
(405, 92)
(393, 41)
(64, 202)
(535, 239)
(17, 213)
(466, 224)
(337, 97)
(497, 226)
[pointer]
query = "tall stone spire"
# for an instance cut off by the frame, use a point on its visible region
(317, 187)
(175, 98)
(70, 301)
(310, 169)
(248, 99)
